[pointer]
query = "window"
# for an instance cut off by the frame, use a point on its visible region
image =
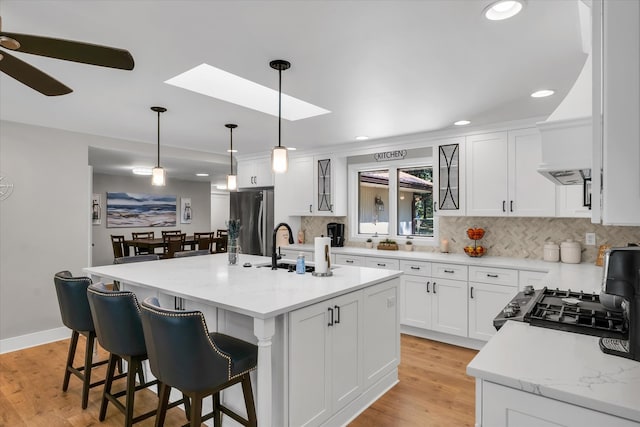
(393, 200)
(415, 201)
(373, 202)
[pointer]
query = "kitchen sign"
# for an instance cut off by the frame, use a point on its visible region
(390, 155)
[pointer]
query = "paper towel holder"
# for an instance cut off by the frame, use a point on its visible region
(327, 274)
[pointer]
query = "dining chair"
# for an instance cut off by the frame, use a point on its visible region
(221, 243)
(172, 244)
(110, 310)
(171, 233)
(201, 365)
(120, 248)
(76, 315)
(204, 240)
(142, 235)
(136, 258)
(222, 232)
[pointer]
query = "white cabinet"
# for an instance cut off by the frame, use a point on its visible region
(381, 331)
(384, 263)
(255, 173)
(502, 177)
(449, 177)
(570, 202)
(490, 290)
(294, 188)
(531, 278)
(330, 185)
(326, 352)
(415, 293)
(616, 147)
(507, 407)
(356, 261)
(449, 305)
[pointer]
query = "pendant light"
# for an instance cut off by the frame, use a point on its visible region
(232, 180)
(279, 160)
(158, 175)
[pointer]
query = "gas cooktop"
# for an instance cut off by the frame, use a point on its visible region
(564, 310)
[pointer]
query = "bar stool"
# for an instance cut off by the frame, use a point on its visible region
(116, 316)
(76, 315)
(183, 354)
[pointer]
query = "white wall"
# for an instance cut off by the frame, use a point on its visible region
(43, 225)
(199, 192)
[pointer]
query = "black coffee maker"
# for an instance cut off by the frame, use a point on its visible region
(335, 230)
(622, 279)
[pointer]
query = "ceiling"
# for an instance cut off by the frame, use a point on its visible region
(383, 68)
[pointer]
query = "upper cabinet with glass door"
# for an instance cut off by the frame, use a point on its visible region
(449, 177)
(330, 186)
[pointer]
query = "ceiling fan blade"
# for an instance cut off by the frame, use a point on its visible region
(75, 51)
(31, 76)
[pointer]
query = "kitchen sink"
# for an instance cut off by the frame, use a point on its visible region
(309, 267)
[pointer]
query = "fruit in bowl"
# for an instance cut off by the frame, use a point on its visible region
(474, 251)
(475, 233)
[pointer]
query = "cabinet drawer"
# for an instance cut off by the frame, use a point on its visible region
(386, 263)
(497, 276)
(533, 278)
(449, 271)
(416, 268)
(350, 260)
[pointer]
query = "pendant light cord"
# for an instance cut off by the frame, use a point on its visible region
(279, 106)
(158, 138)
(231, 152)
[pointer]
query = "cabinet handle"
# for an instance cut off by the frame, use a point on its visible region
(382, 265)
(413, 267)
(349, 261)
(331, 316)
(435, 206)
(337, 307)
(310, 208)
(511, 206)
(331, 207)
(471, 292)
(434, 287)
(449, 271)
(503, 206)
(428, 291)
(495, 276)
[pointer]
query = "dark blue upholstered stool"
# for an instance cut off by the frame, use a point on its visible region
(76, 315)
(183, 354)
(116, 316)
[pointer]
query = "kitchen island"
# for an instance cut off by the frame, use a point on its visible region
(327, 346)
(532, 376)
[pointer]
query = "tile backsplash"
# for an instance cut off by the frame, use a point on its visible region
(513, 237)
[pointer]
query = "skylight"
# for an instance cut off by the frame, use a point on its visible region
(216, 83)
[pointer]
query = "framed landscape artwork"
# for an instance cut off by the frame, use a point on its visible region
(140, 210)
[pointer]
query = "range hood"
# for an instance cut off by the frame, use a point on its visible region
(567, 133)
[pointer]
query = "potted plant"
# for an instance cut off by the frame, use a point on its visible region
(408, 246)
(369, 243)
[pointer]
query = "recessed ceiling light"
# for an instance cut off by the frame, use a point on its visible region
(216, 83)
(462, 122)
(232, 151)
(542, 93)
(142, 171)
(291, 148)
(362, 138)
(503, 9)
(202, 174)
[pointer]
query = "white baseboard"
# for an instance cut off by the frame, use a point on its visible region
(471, 343)
(8, 345)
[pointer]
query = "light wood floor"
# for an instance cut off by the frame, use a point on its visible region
(433, 391)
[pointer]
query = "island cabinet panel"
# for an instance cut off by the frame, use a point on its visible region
(381, 331)
(325, 356)
(507, 407)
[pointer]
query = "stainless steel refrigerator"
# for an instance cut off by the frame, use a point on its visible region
(254, 209)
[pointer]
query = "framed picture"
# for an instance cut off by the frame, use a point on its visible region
(185, 210)
(96, 210)
(140, 210)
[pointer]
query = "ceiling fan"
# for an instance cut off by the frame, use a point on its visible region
(68, 50)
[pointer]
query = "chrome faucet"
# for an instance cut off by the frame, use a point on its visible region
(275, 257)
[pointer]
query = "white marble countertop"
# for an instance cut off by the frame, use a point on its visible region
(560, 365)
(255, 291)
(578, 277)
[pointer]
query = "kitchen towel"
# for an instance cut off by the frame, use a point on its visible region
(322, 254)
